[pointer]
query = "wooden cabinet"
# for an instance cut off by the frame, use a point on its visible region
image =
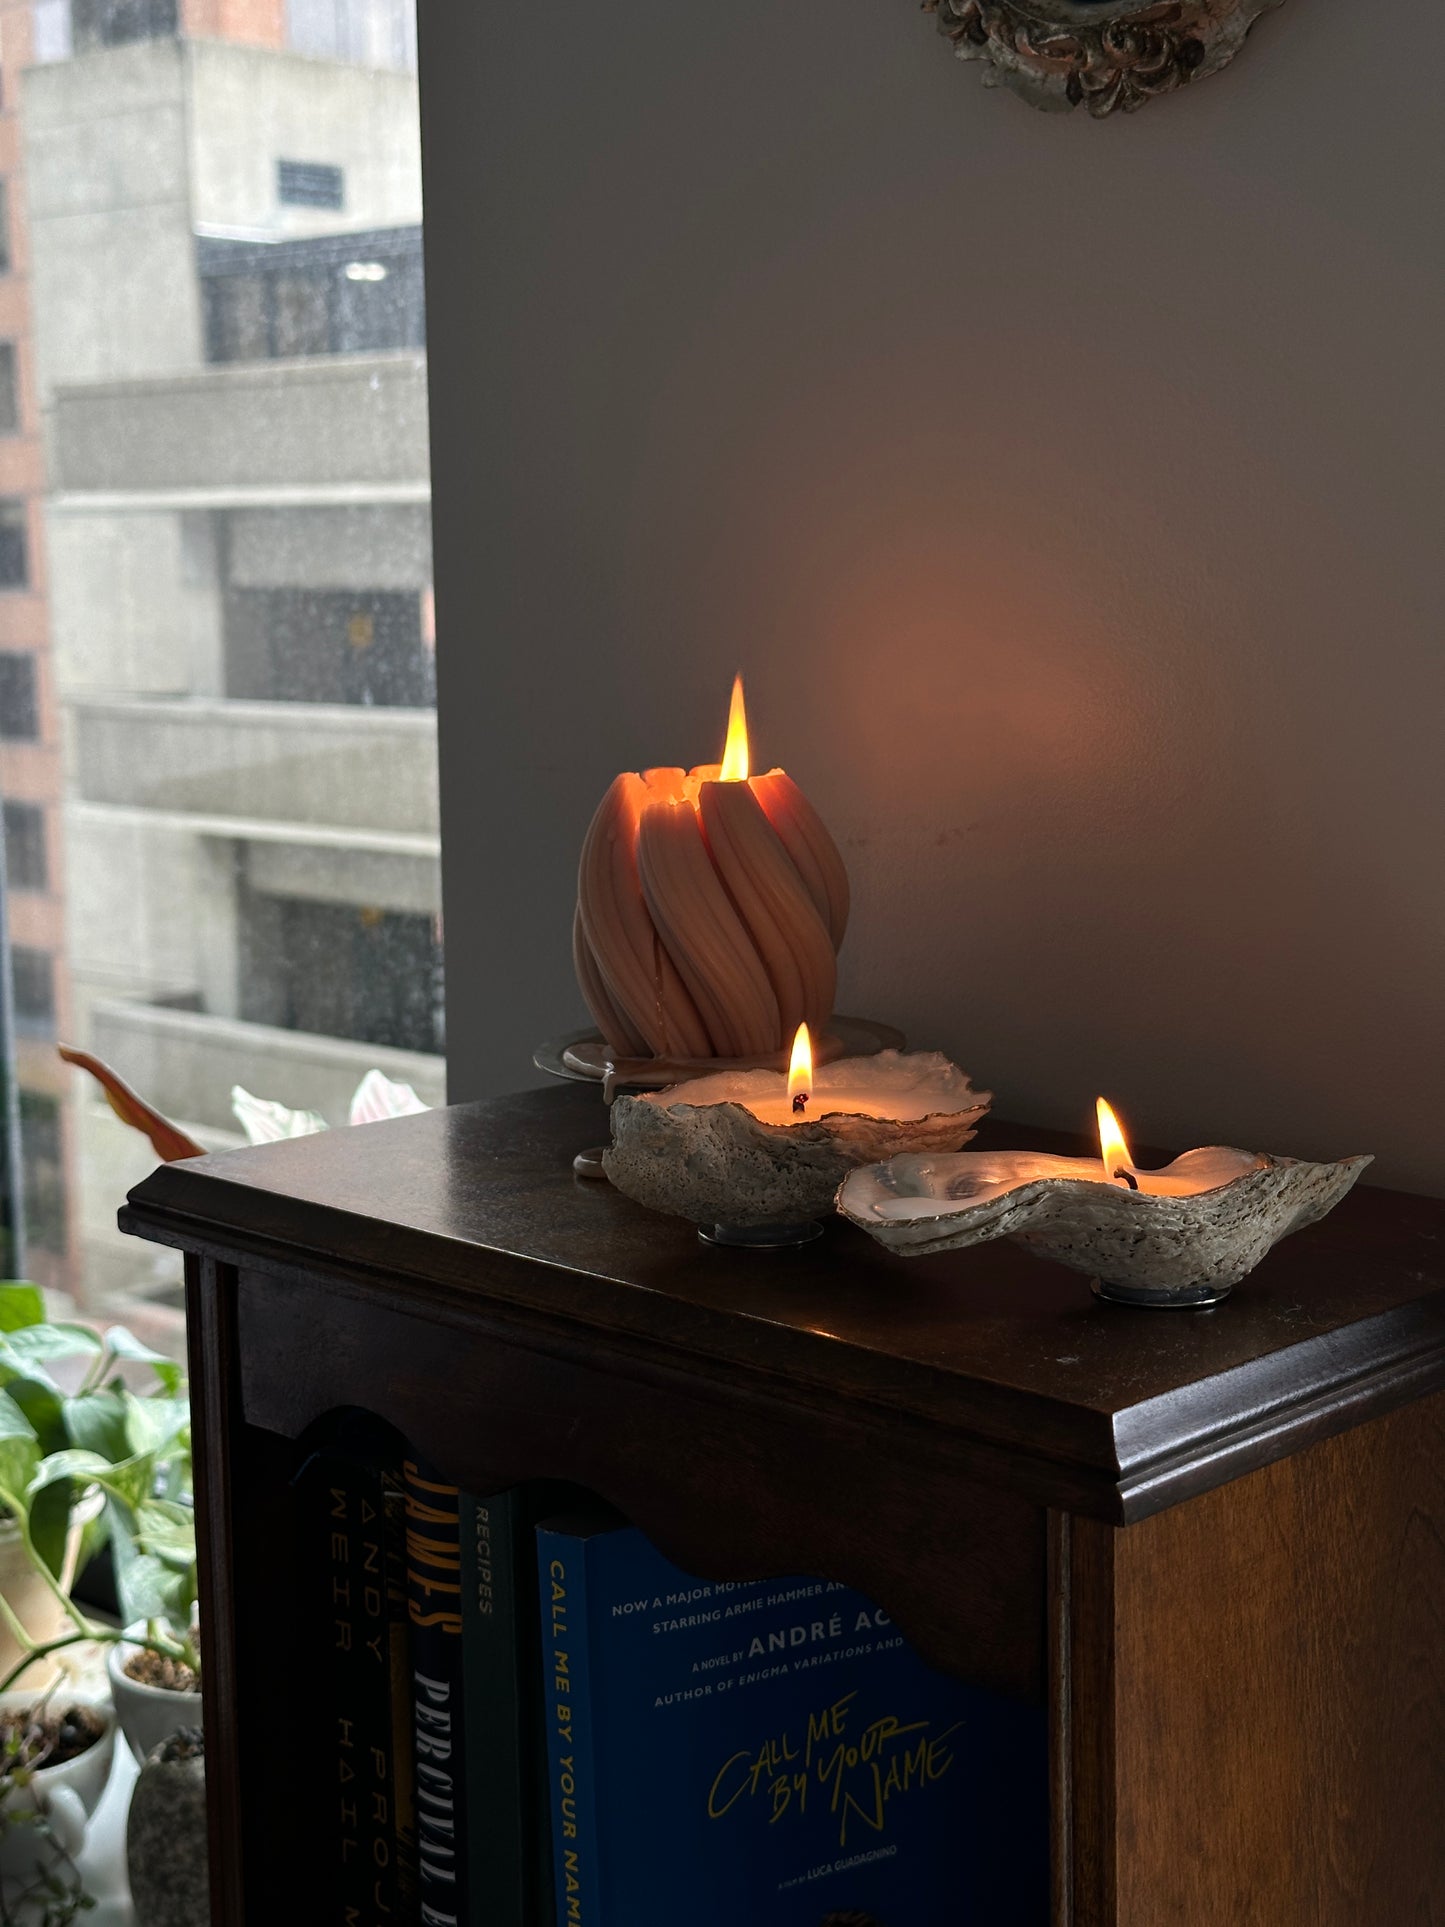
(1211, 1543)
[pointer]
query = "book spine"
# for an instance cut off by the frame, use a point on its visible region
(567, 1683)
(496, 1819)
(399, 1696)
(354, 1589)
(435, 1624)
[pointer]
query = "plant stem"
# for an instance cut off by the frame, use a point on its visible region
(96, 1375)
(102, 1635)
(22, 1520)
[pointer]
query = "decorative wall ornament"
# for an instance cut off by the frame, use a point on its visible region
(1107, 55)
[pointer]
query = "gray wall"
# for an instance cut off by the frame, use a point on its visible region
(1069, 493)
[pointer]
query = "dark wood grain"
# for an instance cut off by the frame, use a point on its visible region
(1258, 1711)
(1087, 1407)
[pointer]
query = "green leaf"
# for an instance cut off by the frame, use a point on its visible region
(98, 1422)
(26, 1347)
(13, 1422)
(13, 1367)
(89, 1467)
(50, 1522)
(125, 1345)
(19, 1450)
(156, 1425)
(43, 1406)
(150, 1585)
(168, 1531)
(142, 1585)
(20, 1305)
(129, 1480)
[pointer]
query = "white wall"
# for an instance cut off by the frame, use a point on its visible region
(1069, 493)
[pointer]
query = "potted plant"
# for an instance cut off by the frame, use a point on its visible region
(126, 1454)
(55, 1756)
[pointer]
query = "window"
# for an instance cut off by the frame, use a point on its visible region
(238, 317)
(40, 1133)
(26, 867)
(375, 33)
(243, 861)
(326, 295)
(9, 390)
(339, 970)
(14, 550)
(19, 707)
(303, 315)
(310, 184)
(4, 226)
(113, 23)
(328, 646)
(33, 972)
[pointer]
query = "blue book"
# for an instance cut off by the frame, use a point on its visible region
(770, 1754)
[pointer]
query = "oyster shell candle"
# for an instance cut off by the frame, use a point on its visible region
(756, 1157)
(1184, 1235)
(710, 907)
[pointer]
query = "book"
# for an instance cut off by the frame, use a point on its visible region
(508, 1850)
(434, 1613)
(770, 1753)
(480, 1758)
(360, 1600)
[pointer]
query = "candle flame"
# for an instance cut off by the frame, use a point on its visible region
(735, 768)
(1113, 1146)
(800, 1071)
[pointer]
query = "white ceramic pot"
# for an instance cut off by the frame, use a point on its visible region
(147, 1714)
(31, 1600)
(68, 1794)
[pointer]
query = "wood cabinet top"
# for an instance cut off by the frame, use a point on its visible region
(471, 1215)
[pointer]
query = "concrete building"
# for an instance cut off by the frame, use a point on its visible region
(31, 778)
(227, 296)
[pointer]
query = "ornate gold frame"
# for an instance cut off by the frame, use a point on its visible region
(1110, 56)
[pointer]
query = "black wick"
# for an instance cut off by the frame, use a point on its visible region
(1128, 1177)
(800, 1103)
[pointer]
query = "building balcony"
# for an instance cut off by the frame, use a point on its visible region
(329, 431)
(186, 1063)
(265, 770)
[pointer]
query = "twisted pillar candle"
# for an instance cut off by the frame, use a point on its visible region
(710, 907)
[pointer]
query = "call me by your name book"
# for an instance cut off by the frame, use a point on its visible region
(770, 1754)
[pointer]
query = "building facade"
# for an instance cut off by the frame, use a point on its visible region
(228, 347)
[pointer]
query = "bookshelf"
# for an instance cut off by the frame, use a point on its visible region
(1211, 1544)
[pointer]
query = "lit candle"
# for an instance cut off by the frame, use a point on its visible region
(1180, 1236)
(1195, 1172)
(893, 1087)
(710, 906)
(762, 1147)
(980, 1177)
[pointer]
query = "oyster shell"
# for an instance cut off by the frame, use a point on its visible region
(1189, 1248)
(695, 1151)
